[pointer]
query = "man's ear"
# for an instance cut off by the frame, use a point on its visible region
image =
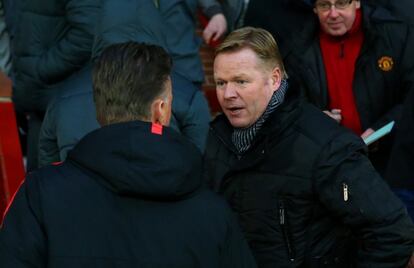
(276, 78)
(157, 113)
(161, 111)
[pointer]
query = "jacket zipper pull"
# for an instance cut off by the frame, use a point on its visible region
(346, 192)
(281, 213)
(283, 225)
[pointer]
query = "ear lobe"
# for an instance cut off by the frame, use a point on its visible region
(156, 111)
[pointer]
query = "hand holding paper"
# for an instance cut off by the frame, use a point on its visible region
(379, 133)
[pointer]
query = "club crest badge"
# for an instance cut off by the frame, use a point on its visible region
(385, 63)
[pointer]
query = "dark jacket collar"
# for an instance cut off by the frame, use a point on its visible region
(130, 160)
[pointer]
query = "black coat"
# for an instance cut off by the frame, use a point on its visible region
(303, 191)
(124, 198)
(52, 39)
(378, 93)
(69, 117)
(400, 172)
(401, 8)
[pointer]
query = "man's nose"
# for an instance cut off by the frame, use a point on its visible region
(230, 91)
(333, 12)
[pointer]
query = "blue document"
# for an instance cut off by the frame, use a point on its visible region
(379, 133)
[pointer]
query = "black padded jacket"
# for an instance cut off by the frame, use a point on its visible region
(305, 192)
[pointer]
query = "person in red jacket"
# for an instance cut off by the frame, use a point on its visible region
(354, 62)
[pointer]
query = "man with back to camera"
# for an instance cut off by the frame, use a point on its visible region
(129, 193)
(305, 193)
(71, 115)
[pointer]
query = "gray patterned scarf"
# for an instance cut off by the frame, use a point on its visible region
(243, 137)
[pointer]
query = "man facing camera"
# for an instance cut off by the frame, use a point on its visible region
(130, 193)
(355, 63)
(304, 191)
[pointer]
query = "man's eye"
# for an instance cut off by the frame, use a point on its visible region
(219, 83)
(241, 82)
(324, 5)
(341, 4)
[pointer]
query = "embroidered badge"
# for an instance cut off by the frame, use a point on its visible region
(385, 63)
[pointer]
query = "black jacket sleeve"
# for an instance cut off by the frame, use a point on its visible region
(22, 241)
(73, 50)
(48, 147)
(400, 170)
(349, 187)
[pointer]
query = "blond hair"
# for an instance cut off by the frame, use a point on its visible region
(258, 40)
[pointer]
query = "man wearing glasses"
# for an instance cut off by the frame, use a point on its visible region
(355, 63)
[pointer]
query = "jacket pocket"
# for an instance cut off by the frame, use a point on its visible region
(285, 229)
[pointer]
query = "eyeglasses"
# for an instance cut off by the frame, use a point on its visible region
(340, 5)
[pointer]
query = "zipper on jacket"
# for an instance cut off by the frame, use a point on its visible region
(342, 50)
(345, 191)
(285, 230)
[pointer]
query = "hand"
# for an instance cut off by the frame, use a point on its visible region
(215, 28)
(335, 114)
(367, 133)
(373, 147)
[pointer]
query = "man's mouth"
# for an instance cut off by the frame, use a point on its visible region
(334, 24)
(234, 110)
